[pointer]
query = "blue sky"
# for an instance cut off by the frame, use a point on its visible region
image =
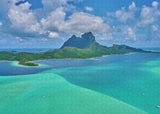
(49, 23)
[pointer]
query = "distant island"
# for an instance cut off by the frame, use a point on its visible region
(74, 48)
(27, 63)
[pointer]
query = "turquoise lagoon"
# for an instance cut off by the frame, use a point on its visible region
(116, 84)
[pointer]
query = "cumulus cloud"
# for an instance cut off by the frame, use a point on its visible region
(74, 24)
(20, 20)
(81, 22)
(53, 35)
(123, 15)
(23, 19)
(87, 8)
(53, 4)
(50, 5)
(155, 4)
(55, 20)
(149, 15)
(154, 32)
(5, 5)
(130, 34)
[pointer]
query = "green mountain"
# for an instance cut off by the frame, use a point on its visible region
(86, 46)
(87, 40)
(74, 47)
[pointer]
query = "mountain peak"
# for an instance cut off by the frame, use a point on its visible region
(73, 36)
(88, 35)
(86, 40)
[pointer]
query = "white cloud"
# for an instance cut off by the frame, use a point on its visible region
(132, 6)
(123, 15)
(53, 3)
(23, 19)
(129, 33)
(155, 4)
(56, 22)
(1, 23)
(53, 35)
(87, 8)
(50, 5)
(154, 28)
(149, 15)
(81, 22)
(6, 4)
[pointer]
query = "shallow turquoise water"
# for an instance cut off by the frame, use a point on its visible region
(49, 93)
(124, 77)
(132, 78)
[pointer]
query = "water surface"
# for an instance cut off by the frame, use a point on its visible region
(131, 78)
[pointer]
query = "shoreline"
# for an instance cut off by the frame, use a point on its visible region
(92, 58)
(16, 64)
(67, 58)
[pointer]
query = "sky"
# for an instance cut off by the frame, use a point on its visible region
(49, 23)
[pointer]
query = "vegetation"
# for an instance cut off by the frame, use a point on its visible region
(28, 63)
(75, 47)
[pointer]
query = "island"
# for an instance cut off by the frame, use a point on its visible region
(83, 47)
(27, 63)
